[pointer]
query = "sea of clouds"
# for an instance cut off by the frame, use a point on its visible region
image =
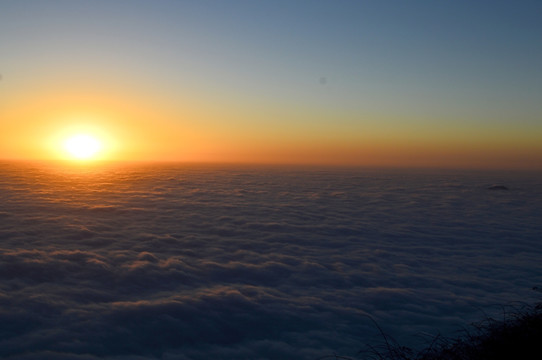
(224, 262)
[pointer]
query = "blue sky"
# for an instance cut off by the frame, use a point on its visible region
(459, 65)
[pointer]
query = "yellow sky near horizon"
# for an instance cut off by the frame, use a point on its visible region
(133, 127)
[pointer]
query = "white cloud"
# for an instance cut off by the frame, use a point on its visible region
(272, 264)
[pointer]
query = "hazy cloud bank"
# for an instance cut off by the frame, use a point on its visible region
(223, 263)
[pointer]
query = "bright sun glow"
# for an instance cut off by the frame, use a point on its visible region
(82, 146)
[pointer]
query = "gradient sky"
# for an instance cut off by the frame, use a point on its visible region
(401, 83)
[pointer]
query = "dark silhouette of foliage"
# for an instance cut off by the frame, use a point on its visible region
(517, 335)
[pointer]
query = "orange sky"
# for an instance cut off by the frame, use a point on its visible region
(153, 87)
(135, 127)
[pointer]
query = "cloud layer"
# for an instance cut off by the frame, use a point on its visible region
(194, 262)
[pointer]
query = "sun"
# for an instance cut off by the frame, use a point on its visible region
(82, 146)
